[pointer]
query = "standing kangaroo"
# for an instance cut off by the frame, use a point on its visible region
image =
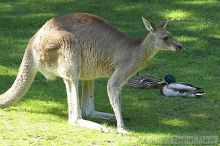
(82, 46)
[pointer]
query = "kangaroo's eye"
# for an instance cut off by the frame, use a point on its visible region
(165, 38)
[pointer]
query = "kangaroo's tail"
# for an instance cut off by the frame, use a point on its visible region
(23, 81)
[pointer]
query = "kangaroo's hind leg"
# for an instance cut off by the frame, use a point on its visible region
(74, 114)
(88, 102)
(70, 72)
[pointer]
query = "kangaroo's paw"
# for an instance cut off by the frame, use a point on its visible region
(91, 125)
(121, 131)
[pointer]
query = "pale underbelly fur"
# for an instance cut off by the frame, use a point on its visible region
(94, 72)
(87, 71)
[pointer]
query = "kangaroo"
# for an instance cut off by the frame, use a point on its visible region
(81, 46)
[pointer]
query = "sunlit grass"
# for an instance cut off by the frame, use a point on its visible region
(177, 15)
(187, 38)
(200, 2)
(199, 27)
(175, 122)
(7, 71)
(125, 8)
(35, 15)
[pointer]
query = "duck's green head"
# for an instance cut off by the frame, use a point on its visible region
(170, 79)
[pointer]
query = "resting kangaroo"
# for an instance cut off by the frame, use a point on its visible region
(82, 46)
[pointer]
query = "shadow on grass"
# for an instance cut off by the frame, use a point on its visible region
(147, 114)
(154, 113)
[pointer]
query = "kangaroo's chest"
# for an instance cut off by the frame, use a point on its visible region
(93, 68)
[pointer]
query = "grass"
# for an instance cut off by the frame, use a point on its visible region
(40, 118)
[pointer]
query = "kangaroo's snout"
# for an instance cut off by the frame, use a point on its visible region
(179, 47)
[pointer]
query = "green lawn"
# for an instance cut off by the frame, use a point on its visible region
(40, 118)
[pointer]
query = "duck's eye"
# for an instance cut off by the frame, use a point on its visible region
(165, 38)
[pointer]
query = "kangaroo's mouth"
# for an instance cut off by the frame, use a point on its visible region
(178, 47)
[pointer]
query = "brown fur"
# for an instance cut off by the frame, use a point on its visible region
(83, 46)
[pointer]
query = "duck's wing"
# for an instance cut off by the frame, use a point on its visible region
(181, 87)
(196, 89)
(186, 89)
(169, 90)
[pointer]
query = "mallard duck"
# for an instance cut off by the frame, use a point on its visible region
(171, 88)
(138, 81)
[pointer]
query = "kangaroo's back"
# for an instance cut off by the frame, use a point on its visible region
(103, 46)
(87, 27)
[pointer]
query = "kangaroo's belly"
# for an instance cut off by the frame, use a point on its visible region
(90, 68)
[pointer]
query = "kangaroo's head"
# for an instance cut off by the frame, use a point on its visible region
(163, 38)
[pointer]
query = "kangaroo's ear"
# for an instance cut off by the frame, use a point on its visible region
(149, 25)
(163, 23)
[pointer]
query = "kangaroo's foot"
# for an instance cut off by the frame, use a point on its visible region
(121, 130)
(91, 125)
(113, 120)
(105, 116)
(100, 115)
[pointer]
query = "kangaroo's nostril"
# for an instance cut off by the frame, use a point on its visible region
(180, 47)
